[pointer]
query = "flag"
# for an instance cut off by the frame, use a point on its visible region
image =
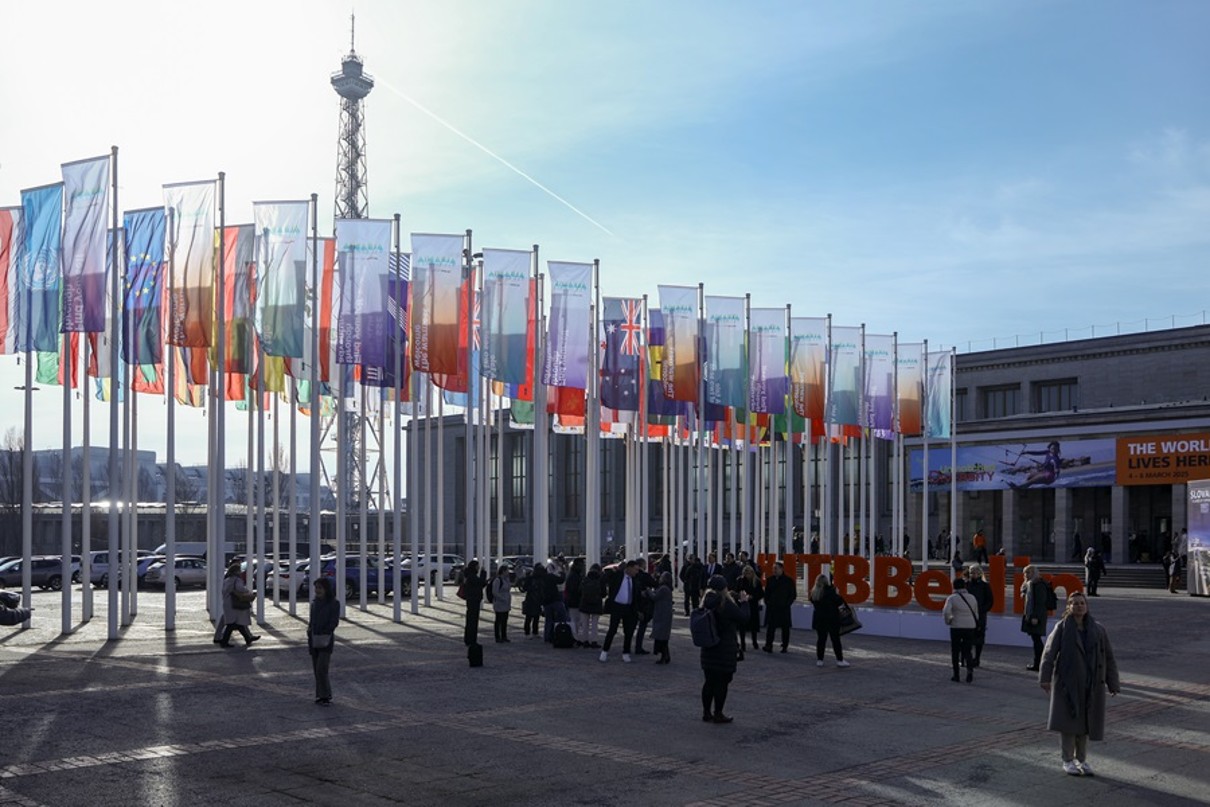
(808, 349)
(879, 384)
(281, 275)
(191, 232)
(660, 410)
(100, 362)
(568, 328)
(318, 314)
(12, 240)
(681, 372)
(726, 362)
(506, 288)
(142, 323)
(52, 364)
(38, 274)
(767, 382)
(909, 383)
(844, 377)
(938, 395)
(359, 297)
(437, 279)
(241, 289)
(86, 189)
(621, 319)
(397, 324)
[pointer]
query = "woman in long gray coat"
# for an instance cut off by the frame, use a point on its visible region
(1077, 669)
(661, 619)
(237, 607)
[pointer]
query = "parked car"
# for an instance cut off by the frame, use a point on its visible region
(189, 572)
(375, 576)
(285, 577)
(100, 573)
(429, 569)
(519, 566)
(45, 572)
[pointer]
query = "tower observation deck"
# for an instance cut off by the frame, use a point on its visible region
(352, 84)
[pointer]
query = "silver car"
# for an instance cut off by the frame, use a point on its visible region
(189, 572)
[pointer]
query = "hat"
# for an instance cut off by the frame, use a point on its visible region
(717, 583)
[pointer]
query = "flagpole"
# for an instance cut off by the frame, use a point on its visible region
(592, 480)
(292, 506)
(736, 455)
(170, 442)
(276, 460)
(953, 455)
(700, 496)
(27, 480)
(362, 489)
(397, 435)
(745, 461)
(863, 414)
(414, 494)
(220, 417)
(788, 409)
(259, 575)
(441, 498)
(925, 539)
(315, 505)
(642, 493)
(896, 425)
(86, 497)
(537, 481)
(829, 538)
(130, 603)
(112, 594)
(469, 452)
(67, 490)
(382, 497)
(427, 557)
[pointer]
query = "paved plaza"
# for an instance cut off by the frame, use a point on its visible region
(171, 719)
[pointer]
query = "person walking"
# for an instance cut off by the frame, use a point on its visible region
(979, 588)
(1077, 669)
(644, 583)
(531, 607)
(621, 603)
(500, 592)
(825, 619)
(661, 617)
(471, 584)
(321, 636)
(750, 584)
(237, 607)
(592, 591)
(1094, 568)
(720, 661)
(1172, 570)
(979, 545)
(691, 583)
(961, 613)
(1035, 591)
(11, 612)
(780, 593)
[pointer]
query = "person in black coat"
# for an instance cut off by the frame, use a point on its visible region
(691, 582)
(750, 584)
(553, 607)
(531, 606)
(321, 637)
(474, 580)
(977, 586)
(731, 571)
(709, 569)
(646, 606)
(719, 662)
(780, 593)
(1094, 567)
(11, 612)
(826, 619)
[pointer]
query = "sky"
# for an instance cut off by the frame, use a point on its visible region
(975, 174)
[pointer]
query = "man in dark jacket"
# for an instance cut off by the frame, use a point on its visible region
(621, 603)
(780, 593)
(691, 579)
(644, 582)
(11, 612)
(731, 571)
(977, 586)
(710, 568)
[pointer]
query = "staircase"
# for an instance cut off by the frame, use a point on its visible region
(1130, 575)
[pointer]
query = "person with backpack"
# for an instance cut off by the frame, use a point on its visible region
(961, 613)
(592, 591)
(661, 619)
(825, 619)
(719, 661)
(1037, 594)
(500, 595)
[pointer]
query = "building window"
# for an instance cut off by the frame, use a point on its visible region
(960, 404)
(520, 474)
(494, 475)
(1055, 396)
(606, 459)
(459, 481)
(573, 474)
(655, 481)
(999, 402)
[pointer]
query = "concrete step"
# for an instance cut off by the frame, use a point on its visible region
(1131, 575)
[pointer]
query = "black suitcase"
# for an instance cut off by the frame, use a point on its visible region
(474, 654)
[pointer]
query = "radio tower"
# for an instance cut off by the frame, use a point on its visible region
(352, 84)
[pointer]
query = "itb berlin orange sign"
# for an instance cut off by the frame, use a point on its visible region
(892, 586)
(1166, 459)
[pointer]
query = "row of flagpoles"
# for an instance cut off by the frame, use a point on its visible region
(173, 300)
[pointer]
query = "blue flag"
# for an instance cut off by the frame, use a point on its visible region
(39, 275)
(144, 290)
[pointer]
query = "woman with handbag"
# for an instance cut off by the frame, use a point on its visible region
(961, 613)
(321, 637)
(825, 619)
(237, 607)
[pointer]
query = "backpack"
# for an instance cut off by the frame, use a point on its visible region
(703, 628)
(1052, 599)
(563, 636)
(488, 592)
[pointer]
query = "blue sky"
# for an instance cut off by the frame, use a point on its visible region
(961, 172)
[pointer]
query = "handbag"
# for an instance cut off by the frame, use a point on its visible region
(321, 641)
(462, 591)
(848, 619)
(241, 600)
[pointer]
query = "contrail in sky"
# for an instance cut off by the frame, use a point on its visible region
(495, 156)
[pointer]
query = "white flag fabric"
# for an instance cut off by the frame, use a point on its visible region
(191, 229)
(86, 195)
(359, 294)
(281, 276)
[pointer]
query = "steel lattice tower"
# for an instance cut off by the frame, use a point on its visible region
(352, 84)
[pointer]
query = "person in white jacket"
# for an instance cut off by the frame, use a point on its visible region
(961, 613)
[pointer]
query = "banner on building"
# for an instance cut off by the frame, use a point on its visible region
(1197, 537)
(1165, 459)
(1019, 466)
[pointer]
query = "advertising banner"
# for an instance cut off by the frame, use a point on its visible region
(1198, 546)
(1019, 466)
(1169, 459)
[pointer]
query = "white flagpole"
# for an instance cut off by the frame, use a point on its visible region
(259, 575)
(896, 533)
(441, 498)
(362, 495)
(745, 459)
(67, 491)
(315, 509)
(215, 562)
(828, 535)
(414, 493)
(592, 509)
(863, 449)
(925, 538)
(735, 480)
(541, 425)
(292, 512)
(397, 438)
(169, 394)
(953, 455)
(27, 485)
(788, 409)
(382, 498)
(643, 492)
(421, 571)
(339, 371)
(276, 459)
(114, 391)
(86, 499)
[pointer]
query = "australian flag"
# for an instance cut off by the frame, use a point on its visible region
(623, 347)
